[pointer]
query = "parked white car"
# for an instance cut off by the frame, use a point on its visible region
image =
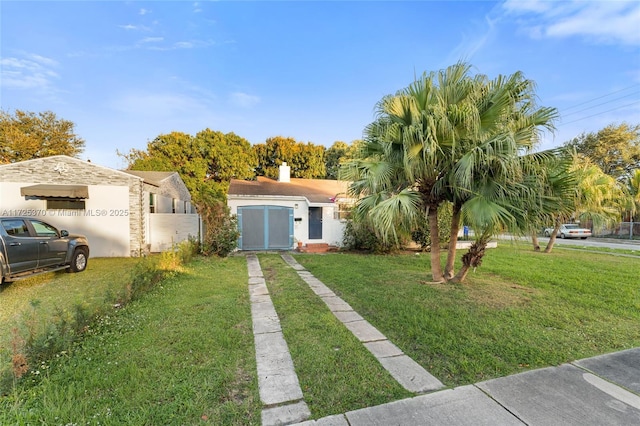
(570, 230)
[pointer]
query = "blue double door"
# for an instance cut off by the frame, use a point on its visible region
(265, 227)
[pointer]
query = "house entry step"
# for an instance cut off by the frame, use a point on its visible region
(316, 248)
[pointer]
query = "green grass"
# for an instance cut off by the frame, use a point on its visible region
(182, 354)
(336, 372)
(520, 310)
(43, 294)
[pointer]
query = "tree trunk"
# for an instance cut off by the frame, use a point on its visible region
(453, 241)
(471, 259)
(552, 237)
(436, 268)
(534, 240)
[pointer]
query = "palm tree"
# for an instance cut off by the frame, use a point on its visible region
(492, 167)
(447, 137)
(633, 188)
(409, 150)
(594, 196)
(550, 183)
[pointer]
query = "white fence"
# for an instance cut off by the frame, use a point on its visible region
(166, 229)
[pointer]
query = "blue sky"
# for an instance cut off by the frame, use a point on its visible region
(126, 72)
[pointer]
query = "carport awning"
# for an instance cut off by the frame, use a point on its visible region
(55, 191)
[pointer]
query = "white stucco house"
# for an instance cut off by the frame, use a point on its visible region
(122, 213)
(279, 214)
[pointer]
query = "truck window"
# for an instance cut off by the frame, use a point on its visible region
(15, 227)
(44, 229)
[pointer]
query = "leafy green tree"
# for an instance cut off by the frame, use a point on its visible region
(306, 160)
(206, 162)
(449, 137)
(28, 135)
(337, 154)
(615, 149)
(229, 156)
(332, 158)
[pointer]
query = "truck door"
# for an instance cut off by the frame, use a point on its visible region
(22, 248)
(52, 248)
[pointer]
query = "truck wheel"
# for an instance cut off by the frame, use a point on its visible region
(78, 260)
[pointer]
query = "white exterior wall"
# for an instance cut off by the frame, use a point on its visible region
(168, 229)
(105, 220)
(332, 229)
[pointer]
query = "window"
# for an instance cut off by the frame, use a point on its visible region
(44, 229)
(343, 211)
(16, 228)
(174, 205)
(65, 204)
(152, 203)
(186, 204)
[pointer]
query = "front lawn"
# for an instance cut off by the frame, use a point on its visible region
(182, 354)
(520, 310)
(39, 297)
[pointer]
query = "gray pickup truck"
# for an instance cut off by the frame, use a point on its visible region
(29, 246)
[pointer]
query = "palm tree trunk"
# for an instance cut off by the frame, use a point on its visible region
(472, 258)
(453, 241)
(552, 237)
(534, 240)
(436, 268)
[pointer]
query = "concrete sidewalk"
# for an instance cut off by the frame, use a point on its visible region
(604, 390)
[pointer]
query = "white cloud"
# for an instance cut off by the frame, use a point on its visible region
(192, 44)
(151, 40)
(183, 45)
(602, 22)
(130, 27)
(472, 43)
(610, 21)
(144, 11)
(243, 100)
(31, 72)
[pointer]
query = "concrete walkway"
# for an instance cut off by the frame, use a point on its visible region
(603, 390)
(406, 371)
(277, 380)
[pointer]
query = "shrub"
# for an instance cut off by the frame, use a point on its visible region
(361, 235)
(221, 230)
(422, 235)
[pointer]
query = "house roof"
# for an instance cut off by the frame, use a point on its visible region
(57, 160)
(315, 190)
(154, 178)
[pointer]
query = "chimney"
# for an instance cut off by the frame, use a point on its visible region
(285, 173)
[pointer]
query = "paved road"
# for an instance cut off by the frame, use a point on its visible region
(589, 242)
